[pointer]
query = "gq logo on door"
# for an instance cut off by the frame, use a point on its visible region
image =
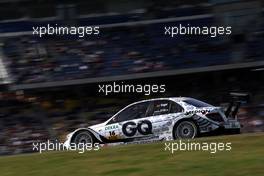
(143, 127)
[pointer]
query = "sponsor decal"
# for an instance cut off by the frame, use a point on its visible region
(111, 127)
(143, 127)
(203, 111)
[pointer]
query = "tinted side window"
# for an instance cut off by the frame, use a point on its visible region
(141, 109)
(161, 107)
(175, 108)
(132, 112)
(165, 107)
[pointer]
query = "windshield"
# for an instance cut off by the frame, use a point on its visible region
(197, 103)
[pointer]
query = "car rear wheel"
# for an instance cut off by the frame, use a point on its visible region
(185, 130)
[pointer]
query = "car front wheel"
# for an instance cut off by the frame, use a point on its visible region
(83, 137)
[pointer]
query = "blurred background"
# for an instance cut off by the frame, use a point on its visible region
(49, 85)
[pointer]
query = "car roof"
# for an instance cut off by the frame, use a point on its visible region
(176, 99)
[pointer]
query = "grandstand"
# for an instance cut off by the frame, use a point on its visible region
(125, 47)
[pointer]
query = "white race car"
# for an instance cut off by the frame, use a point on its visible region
(158, 119)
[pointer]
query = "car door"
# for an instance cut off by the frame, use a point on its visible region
(161, 114)
(129, 123)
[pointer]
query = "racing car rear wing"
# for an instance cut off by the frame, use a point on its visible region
(236, 99)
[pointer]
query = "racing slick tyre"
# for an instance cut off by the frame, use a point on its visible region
(185, 130)
(83, 137)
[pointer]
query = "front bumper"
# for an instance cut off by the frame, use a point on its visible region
(68, 141)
